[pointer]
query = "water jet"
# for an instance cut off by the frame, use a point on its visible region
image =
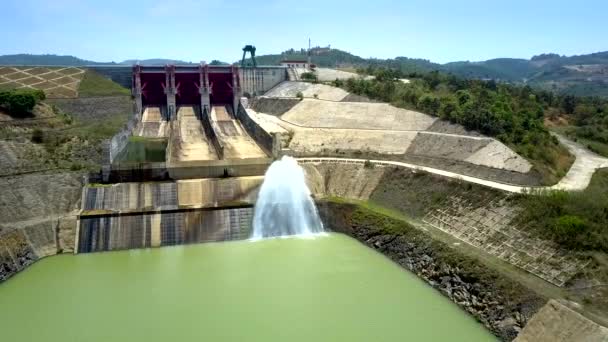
(284, 206)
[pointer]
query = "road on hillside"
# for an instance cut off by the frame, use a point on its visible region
(577, 178)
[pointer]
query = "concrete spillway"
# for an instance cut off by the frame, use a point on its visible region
(191, 141)
(235, 141)
(153, 124)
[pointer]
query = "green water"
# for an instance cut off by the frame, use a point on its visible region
(144, 150)
(326, 289)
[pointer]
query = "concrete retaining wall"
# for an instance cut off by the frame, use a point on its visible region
(153, 229)
(273, 105)
(212, 134)
(265, 140)
(219, 168)
(257, 81)
(145, 172)
(194, 193)
(21, 247)
(120, 140)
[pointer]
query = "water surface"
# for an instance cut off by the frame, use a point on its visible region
(330, 288)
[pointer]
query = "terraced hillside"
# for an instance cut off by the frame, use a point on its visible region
(56, 82)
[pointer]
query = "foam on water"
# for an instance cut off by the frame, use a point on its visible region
(284, 206)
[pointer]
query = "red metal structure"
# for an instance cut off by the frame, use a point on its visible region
(182, 85)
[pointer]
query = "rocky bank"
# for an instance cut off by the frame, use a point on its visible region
(500, 304)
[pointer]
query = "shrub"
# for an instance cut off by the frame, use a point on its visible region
(568, 227)
(20, 102)
(37, 136)
(300, 95)
(308, 76)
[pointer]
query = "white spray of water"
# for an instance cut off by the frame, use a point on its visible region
(284, 206)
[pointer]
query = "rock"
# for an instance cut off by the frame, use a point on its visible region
(507, 322)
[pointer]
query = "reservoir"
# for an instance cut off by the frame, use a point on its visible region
(323, 288)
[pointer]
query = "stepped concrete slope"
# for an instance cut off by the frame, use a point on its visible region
(576, 179)
(327, 74)
(356, 115)
(316, 127)
(557, 323)
(311, 141)
(307, 89)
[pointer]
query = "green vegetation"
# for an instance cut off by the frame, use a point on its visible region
(67, 142)
(37, 136)
(309, 76)
(575, 220)
(143, 150)
(21, 102)
(512, 114)
(94, 84)
(589, 120)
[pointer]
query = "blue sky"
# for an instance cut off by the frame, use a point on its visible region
(442, 31)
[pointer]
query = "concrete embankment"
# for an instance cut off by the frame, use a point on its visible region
(557, 323)
(500, 304)
(38, 218)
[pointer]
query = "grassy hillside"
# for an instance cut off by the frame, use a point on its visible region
(94, 84)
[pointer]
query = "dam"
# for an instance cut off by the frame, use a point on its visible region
(187, 167)
(190, 167)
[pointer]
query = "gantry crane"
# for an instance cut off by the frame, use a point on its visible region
(251, 50)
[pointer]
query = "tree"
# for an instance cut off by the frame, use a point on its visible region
(429, 104)
(308, 76)
(20, 102)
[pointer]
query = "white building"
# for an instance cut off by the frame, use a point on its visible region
(294, 63)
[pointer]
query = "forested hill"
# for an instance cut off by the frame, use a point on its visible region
(27, 59)
(335, 58)
(584, 75)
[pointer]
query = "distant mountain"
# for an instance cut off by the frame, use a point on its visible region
(583, 75)
(27, 59)
(156, 61)
(57, 60)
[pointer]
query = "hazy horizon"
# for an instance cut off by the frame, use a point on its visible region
(440, 31)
